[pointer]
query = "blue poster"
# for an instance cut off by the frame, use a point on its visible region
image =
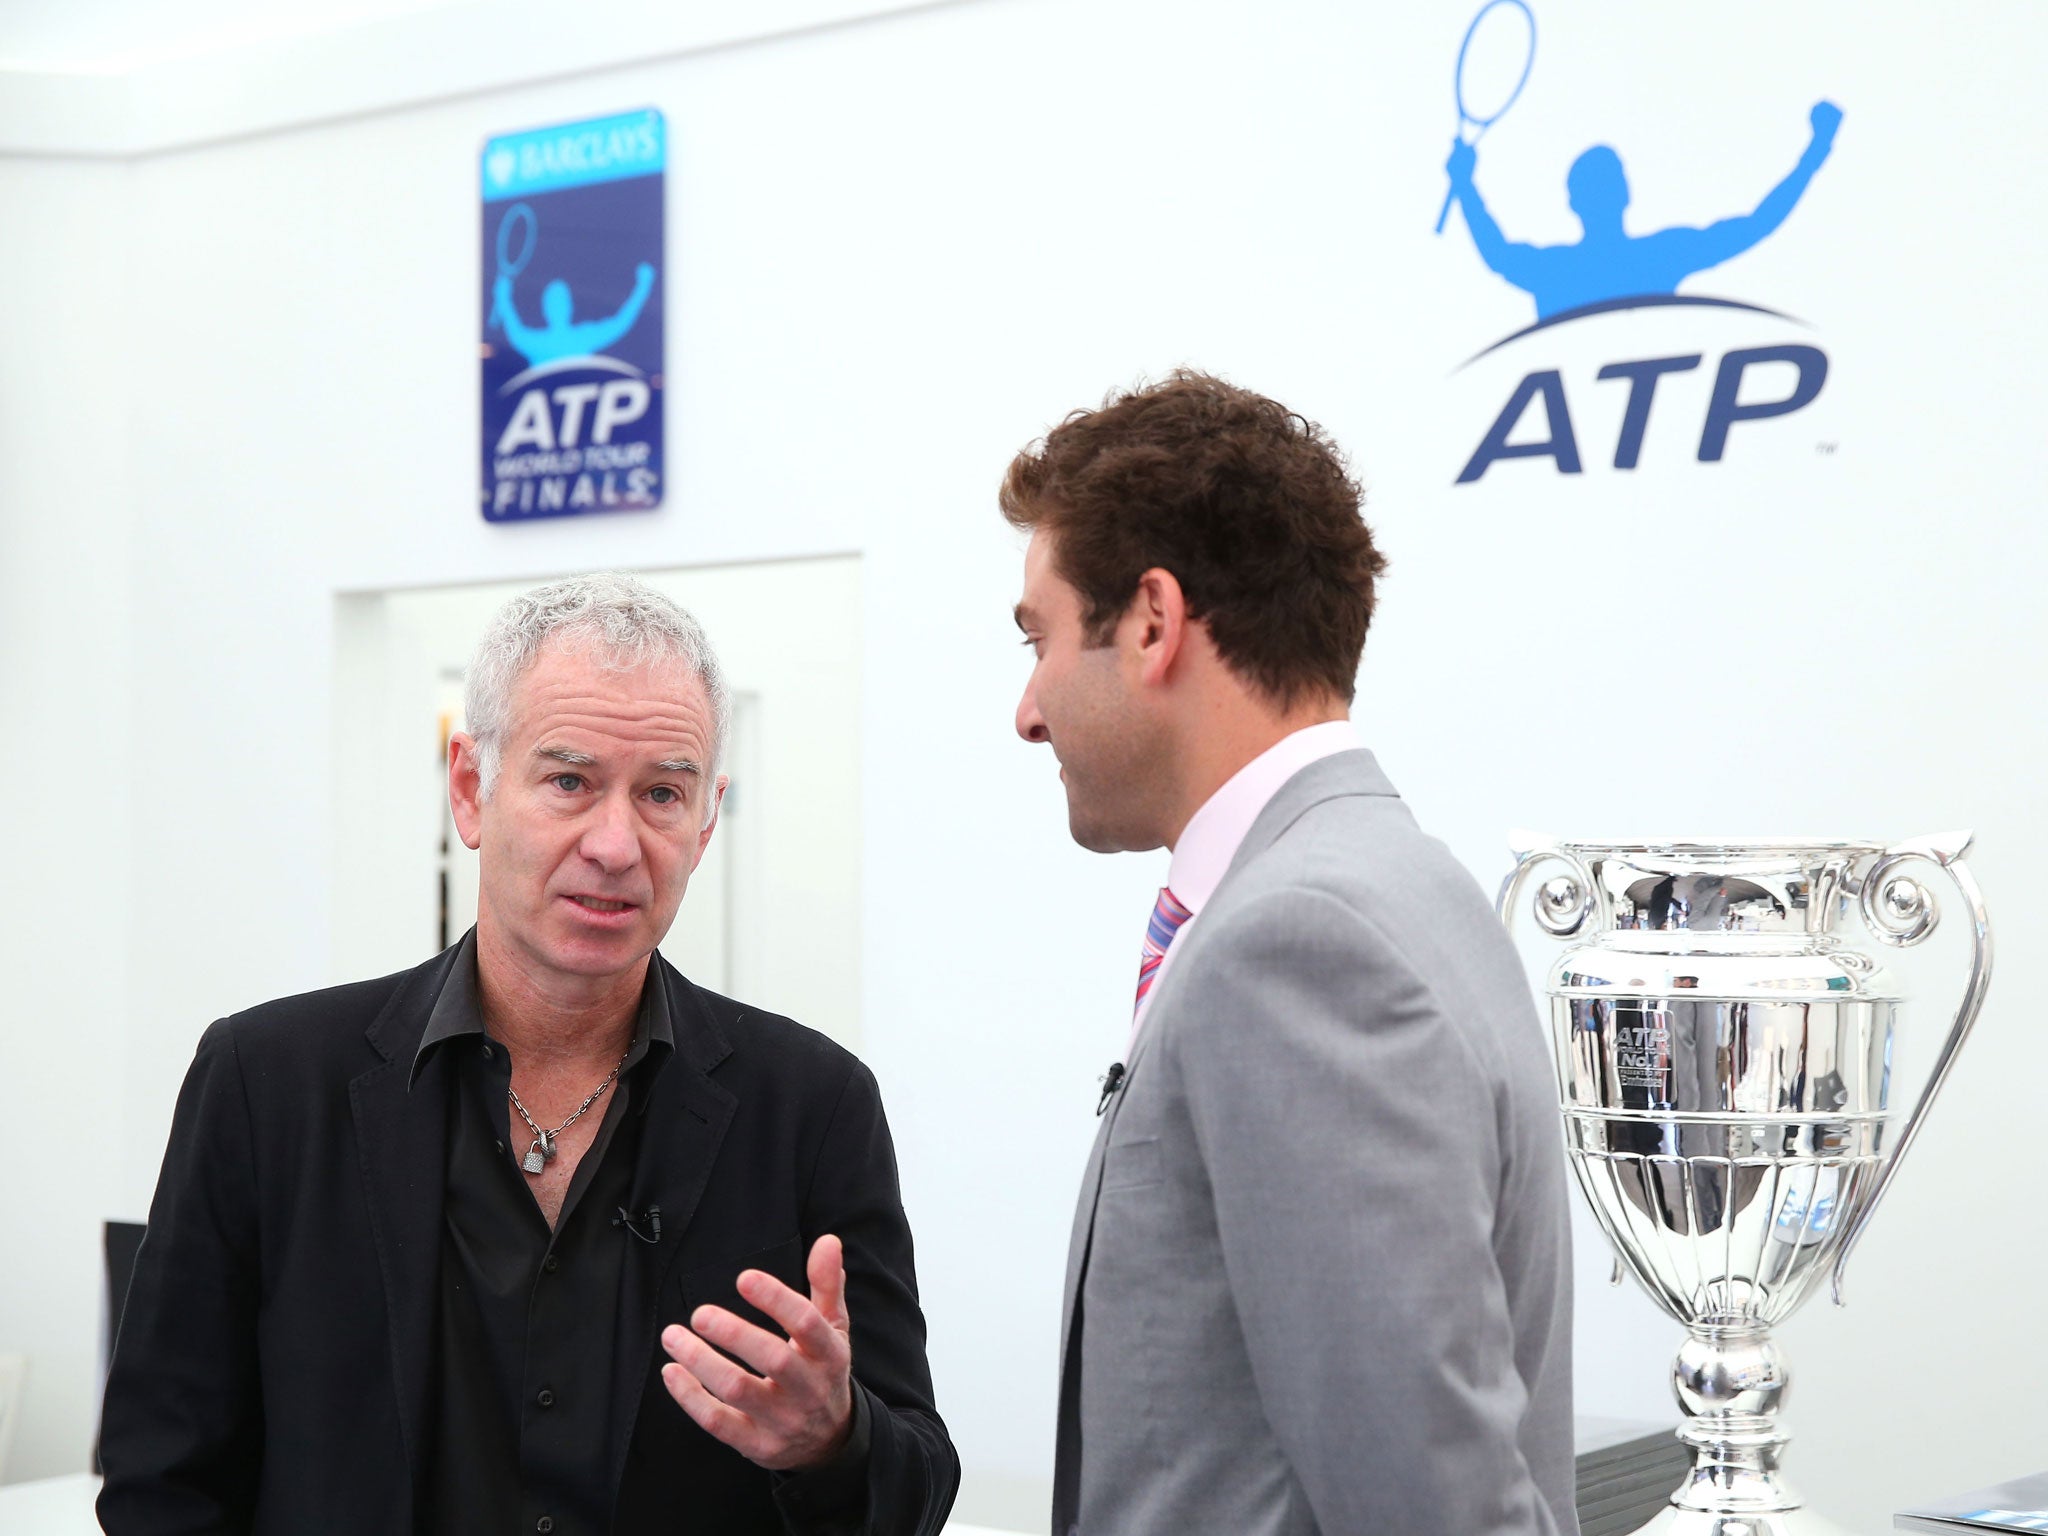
(572, 318)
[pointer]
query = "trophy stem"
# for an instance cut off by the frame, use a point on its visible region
(1731, 1381)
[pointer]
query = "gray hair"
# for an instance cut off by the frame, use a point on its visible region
(621, 619)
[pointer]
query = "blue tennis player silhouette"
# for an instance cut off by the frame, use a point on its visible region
(1608, 262)
(565, 336)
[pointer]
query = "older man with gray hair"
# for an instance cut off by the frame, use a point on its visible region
(538, 1236)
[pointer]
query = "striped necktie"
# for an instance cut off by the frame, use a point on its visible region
(1167, 916)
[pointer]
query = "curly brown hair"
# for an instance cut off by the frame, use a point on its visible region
(1245, 502)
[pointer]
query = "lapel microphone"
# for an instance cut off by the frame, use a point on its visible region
(1112, 1080)
(631, 1222)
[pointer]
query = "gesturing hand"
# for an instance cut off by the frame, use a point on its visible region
(799, 1409)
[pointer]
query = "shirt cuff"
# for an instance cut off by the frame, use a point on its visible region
(832, 1496)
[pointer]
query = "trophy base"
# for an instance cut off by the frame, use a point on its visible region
(1674, 1521)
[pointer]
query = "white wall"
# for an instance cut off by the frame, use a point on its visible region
(900, 249)
(66, 684)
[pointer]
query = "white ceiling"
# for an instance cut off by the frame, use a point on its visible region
(120, 78)
(113, 37)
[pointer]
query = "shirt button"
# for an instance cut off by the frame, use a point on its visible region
(500, 1146)
(487, 1053)
(544, 1524)
(550, 1264)
(545, 1397)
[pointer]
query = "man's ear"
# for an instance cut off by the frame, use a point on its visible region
(1158, 620)
(711, 826)
(464, 786)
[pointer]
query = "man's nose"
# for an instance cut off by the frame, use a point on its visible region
(610, 839)
(1030, 723)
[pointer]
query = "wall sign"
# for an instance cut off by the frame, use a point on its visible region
(1612, 273)
(572, 318)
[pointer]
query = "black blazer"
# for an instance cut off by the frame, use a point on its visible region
(274, 1366)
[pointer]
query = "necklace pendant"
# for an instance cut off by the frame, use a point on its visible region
(536, 1157)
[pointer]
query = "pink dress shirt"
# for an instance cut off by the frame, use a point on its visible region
(1210, 839)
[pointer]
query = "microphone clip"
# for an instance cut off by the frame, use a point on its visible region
(631, 1222)
(1112, 1080)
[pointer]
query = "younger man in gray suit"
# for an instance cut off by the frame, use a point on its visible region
(1320, 1278)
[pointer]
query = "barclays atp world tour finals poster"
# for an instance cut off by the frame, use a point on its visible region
(571, 338)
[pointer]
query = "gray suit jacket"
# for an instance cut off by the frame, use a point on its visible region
(1320, 1279)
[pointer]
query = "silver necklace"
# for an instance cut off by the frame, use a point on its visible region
(542, 1152)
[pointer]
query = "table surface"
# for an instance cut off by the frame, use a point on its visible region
(62, 1506)
(53, 1506)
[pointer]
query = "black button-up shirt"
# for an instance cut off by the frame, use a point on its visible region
(527, 1314)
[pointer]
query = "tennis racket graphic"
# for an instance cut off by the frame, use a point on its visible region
(1510, 35)
(517, 232)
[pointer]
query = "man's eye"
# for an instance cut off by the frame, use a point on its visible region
(568, 783)
(664, 794)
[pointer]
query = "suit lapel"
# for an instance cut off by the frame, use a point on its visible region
(401, 1137)
(1084, 1226)
(687, 1117)
(1354, 772)
(1067, 1441)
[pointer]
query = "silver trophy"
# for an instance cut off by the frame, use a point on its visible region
(1725, 1057)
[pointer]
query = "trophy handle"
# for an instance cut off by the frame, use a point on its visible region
(1565, 904)
(1560, 912)
(1899, 911)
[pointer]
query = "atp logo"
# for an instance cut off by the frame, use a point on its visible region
(571, 326)
(1611, 269)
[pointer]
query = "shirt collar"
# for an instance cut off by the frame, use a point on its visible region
(458, 1012)
(1210, 839)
